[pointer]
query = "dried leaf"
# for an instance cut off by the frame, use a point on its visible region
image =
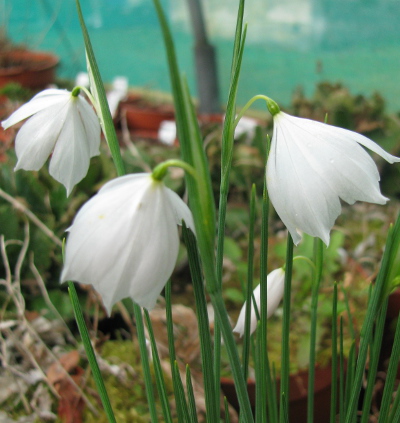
(67, 362)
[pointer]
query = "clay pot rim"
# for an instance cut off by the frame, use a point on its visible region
(38, 60)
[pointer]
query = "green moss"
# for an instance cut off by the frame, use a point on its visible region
(127, 397)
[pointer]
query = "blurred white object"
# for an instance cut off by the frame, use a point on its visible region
(167, 132)
(82, 80)
(246, 126)
(117, 93)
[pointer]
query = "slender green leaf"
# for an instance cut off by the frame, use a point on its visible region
(160, 381)
(227, 416)
(373, 363)
(391, 376)
(172, 355)
(394, 416)
(318, 261)
(250, 269)
(101, 389)
(342, 376)
(180, 398)
(227, 143)
(211, 397)
(285, 368)
(391, 248)
(97, 88)
(240, 383)
(191, 398)
(334, 377)
(350, 382)
(201, 198)
(148, 383)
(264, 384)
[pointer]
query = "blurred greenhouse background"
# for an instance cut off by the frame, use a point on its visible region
(290, 44)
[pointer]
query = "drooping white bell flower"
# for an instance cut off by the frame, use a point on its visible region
(124, 241)
(275, 289)
(311, 166)
(62, 123)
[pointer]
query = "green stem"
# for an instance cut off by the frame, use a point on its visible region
(161, 169)
(159, 376)
(334, 338)
(89, 95)
(373, 364)
(90, 353)
(101, 104)
(145, 362)
(392, 245)
(318, 260)
(204, 333)
(271, 106)
(285, 369)
(387, 398)
(240, 384)
(250, 260)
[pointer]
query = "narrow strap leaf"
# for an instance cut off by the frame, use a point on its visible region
(391, 376)
(144, 354)
(284, 392)
(191, 397)
(160, 381)
(334, 363)
(211, 389)
(373, 363)
(99, 94)
(172, 353)
(94, 366)
(318, 261)
(250, 269)
(392, 245)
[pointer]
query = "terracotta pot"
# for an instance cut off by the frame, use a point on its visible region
(144, 116)
(298, 395)
(31, 69)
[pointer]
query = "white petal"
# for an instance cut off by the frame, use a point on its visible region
(124, 241)
(366, 142)
(70, 161)
(275, 290)
(182, 211)
(299, 197)
(91, 124)
(44, 100)
(36, 138)
(311, 165)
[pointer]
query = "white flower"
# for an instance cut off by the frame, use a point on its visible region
(311, 166)
(60, 123)
(275, 288)
(124, 241)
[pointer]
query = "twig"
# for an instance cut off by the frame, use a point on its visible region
(13, 289)
(21, 207)
(47, 299)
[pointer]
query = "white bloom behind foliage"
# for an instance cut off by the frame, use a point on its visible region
(311, 166)
(124, 241)
(58, 123)
(275, 289)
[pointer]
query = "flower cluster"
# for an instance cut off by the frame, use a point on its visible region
(124, 241)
